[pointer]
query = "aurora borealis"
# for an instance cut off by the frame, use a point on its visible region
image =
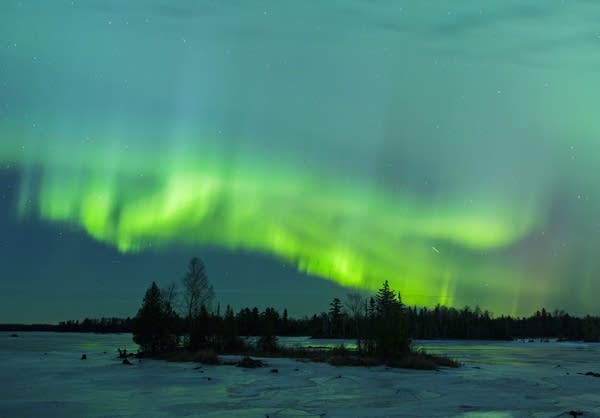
(452, 148)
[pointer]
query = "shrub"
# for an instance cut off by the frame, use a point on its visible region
(340, 350)
(267, 344)
(250, 363)
(207, 356)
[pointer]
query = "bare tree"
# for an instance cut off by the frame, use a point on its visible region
(197, 290)
(169, 295)
(354, 305)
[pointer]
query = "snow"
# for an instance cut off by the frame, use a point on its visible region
(42, 375)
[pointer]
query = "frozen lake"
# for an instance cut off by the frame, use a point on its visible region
(42, 375)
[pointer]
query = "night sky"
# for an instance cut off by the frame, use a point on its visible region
(302, 149)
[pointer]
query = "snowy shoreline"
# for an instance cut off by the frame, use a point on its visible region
(498, 380)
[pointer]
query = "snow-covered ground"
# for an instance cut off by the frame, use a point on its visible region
(42, 374)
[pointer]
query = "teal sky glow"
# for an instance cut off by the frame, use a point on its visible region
(449, 147)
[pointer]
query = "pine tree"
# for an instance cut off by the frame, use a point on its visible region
(385, 301)
(268, 340)
(153, 326)
(387, 333)
(202, 330)
(230, 339)
(284, 322)
(335, 316)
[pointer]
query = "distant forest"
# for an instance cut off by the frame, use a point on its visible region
(345, 318)
(440, 322)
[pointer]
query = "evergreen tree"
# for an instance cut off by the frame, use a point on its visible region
(268, 340)
(284, 323)
(202, 330)
(385, 301)
(230, 339)
(335, 317)
(153, 324)
(388, 331)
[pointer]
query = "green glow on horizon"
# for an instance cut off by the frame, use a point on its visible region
(450, 148)
(355, 235)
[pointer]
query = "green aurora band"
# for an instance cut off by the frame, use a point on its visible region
(357, 236)
(461, 170)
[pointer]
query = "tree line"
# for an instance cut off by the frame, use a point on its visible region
(184, 314)
(440, 322)
(92, 325)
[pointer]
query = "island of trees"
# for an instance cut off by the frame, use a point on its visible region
(201, 333)
(184, 318)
